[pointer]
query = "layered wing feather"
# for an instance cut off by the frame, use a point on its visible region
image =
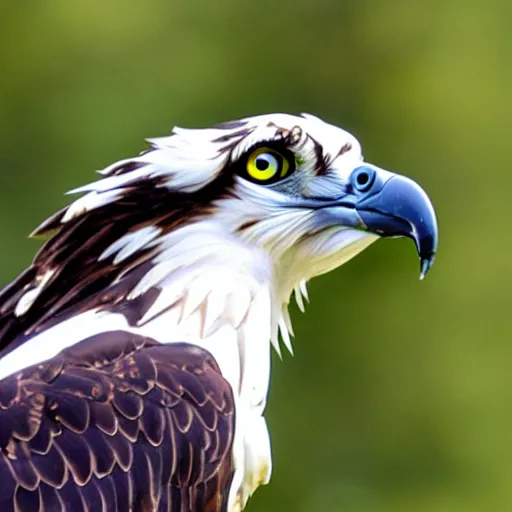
(117, 422)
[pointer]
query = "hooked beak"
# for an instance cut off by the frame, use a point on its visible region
(400, 207)
(386, 204)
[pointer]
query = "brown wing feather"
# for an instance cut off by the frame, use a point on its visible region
(117, 422)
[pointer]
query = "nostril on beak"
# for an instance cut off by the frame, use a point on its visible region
(362, 178)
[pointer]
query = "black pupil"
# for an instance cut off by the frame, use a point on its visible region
(261, 164)
(362, 178)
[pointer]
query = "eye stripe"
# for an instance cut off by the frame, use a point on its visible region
(321, 166)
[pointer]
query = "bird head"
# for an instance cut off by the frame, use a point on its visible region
(292, 189)
(295, 187)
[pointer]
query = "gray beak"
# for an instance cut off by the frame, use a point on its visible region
(396, 206)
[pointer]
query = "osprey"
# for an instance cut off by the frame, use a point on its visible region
(135, 350)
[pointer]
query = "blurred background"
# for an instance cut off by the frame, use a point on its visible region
(399, 395)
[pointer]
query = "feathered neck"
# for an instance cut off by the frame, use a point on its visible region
(141, 274)
(202, 285)
(73, 269)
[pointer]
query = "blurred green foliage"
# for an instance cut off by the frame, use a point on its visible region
(398, 398)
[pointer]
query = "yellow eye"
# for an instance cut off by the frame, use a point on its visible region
(265, 164)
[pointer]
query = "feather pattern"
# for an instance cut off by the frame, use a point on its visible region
(88, 429)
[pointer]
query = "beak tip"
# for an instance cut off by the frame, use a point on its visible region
(426, 265)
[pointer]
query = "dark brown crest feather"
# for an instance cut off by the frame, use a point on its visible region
(126, 167)
(59, 447)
